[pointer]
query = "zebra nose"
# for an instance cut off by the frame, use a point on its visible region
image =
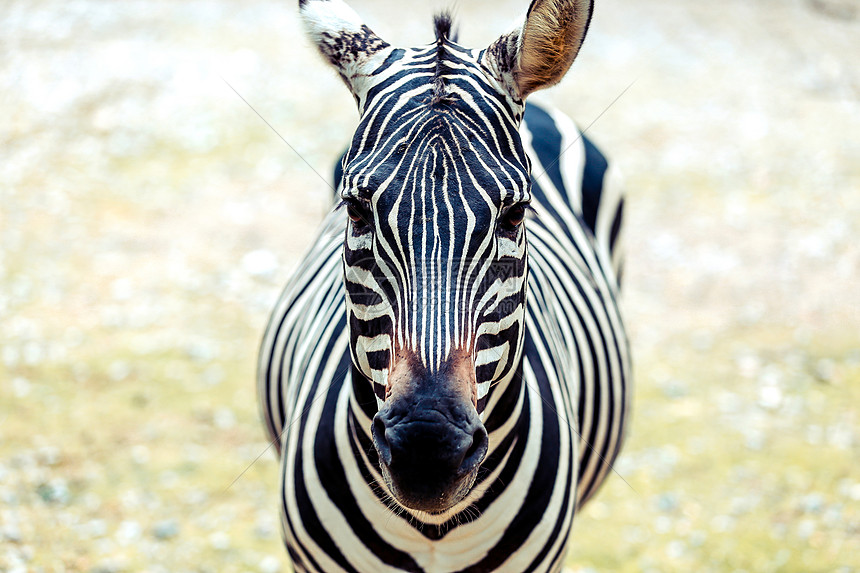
(426, 449)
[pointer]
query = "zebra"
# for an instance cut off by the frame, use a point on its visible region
(447, 376)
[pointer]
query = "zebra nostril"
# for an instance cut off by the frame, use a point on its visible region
(476, 451)
(380, 441)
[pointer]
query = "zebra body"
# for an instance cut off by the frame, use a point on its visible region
(538, 390)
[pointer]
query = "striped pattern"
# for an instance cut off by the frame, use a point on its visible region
(426, 270)
(420, 264)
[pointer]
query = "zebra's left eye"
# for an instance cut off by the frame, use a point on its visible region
(513, 217)
(358, 213)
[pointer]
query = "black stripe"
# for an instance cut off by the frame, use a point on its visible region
(592, 182)
(616, 225)
(395, 55)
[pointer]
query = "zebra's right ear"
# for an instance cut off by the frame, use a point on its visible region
(345, 41)
(538, 53)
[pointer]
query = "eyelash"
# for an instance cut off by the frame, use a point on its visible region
(355, 211)
(513, 217)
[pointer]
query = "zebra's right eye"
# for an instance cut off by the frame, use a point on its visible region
(513, 217)
(353, 213)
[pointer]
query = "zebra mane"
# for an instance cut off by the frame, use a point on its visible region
(442, 23)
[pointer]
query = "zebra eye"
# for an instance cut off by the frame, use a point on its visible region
(514, 216)
(357, 212)
(353, 213)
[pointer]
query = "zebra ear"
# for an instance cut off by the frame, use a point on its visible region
(342, 38)
(538, 54)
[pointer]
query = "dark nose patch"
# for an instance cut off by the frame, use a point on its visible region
(430, 442)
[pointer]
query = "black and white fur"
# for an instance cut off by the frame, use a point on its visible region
(447, 374)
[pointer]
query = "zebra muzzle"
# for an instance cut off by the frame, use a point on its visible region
(430, 441)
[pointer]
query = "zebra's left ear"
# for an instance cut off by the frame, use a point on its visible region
(342, 38)
(538, 54)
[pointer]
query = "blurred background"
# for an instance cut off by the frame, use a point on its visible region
(149, 218)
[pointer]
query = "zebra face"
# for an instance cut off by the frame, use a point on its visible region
(435, 274)
(434, 258)
(436, 185)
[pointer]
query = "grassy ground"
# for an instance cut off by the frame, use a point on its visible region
(148, 219)
(747, 465)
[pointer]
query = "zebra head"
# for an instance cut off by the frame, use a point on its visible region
(436, 184)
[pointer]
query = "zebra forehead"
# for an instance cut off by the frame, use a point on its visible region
(437, 152)
(438, 167)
